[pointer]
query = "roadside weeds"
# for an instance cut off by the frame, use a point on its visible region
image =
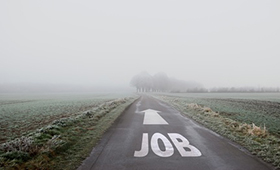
(256, 139)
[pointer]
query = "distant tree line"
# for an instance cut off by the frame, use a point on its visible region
(160, 82)
(245, 90)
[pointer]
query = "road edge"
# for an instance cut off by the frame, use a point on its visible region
(89, 162)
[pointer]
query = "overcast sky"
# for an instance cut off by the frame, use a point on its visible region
(216, 43)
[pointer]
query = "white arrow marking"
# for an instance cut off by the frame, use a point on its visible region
(153, 118)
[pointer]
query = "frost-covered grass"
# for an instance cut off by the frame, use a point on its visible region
(258, 108)
(258, 139)
(274, 97)
(65, 142)
(23, 113)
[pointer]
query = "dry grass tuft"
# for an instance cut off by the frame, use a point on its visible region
(193, 106)
(257, 131)
(207, 109)
(243, 128)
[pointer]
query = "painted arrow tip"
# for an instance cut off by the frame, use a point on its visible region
(150, 110)
(151, 117)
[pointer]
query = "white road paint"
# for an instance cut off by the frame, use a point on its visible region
(184, 143)
(178, 140)
(138, 104)
(152, 117)
(169, 151)
(144, 147)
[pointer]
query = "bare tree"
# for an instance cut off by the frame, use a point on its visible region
(142, 81)
(161, 82)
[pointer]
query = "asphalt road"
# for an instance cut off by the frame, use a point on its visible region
(165, 140)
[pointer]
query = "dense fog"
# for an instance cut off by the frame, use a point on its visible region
(101, 45)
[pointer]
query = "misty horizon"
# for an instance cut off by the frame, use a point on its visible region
(27, 87)
(102, 45)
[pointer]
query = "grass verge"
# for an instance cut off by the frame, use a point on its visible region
(64, 143)
(256, 139)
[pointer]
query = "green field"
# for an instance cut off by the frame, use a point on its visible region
(253, 96)
(258, 108)
(252, 120)
(22, 113)
(54, 131)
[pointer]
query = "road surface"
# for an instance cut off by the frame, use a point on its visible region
(152, 135)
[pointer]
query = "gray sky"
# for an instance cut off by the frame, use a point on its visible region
(216, 43)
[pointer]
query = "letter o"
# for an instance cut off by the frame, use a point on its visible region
(169, 150)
